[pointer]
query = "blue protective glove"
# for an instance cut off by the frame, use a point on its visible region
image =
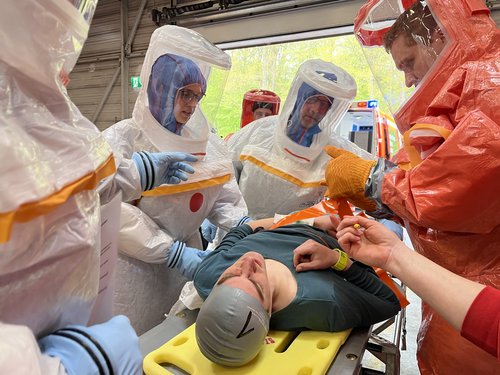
(157, 168)
(208, 230)
(186, 259)
(108, 348)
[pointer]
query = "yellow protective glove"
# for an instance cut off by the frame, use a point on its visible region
(346, 176)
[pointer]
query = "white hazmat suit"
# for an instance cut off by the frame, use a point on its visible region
(277, 175)
(53, 159)
(155, 221)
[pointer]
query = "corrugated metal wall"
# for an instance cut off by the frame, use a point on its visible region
(97, 80)
(98, 70)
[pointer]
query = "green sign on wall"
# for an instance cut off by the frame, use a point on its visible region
(135, 82)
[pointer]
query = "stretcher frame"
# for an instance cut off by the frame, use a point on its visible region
(347, 362)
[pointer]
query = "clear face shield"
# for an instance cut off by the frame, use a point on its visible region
(181, 88)
(216, 82)
(86, 8)
(306, 121)
(50, 40)
(184, 75)
(401, 41)
(319, 96)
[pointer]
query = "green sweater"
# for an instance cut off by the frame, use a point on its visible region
(326, 300)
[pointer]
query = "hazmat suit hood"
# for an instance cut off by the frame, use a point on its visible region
(53, 159)
(35, 105)
(258, 98)
(52, 40)
(314, 77)
(468, 33)
(176, 57)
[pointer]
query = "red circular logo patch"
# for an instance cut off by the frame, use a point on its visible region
(196, 202)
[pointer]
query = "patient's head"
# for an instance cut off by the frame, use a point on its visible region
(234, 320)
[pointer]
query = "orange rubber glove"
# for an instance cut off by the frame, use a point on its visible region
(346, 176)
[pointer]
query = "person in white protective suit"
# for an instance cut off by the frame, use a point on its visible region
(159, 224)
(52, 161)
(279, 160)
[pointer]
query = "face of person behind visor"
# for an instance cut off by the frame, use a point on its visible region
(261, 113)
(257, 104)
(414, 52)
(176, 85)
(186, 100)
(402, 48)
(314, 109)
(310, 108)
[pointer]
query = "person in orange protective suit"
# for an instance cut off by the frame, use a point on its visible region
(444, 184)
(259, 103)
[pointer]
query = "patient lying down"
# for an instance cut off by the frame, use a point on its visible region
(253, 281)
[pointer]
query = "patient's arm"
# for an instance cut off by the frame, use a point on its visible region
(264, 223)
(328, 223)
(312, 255)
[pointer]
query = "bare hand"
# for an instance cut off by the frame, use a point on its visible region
(313, 256)
(372, 243)
(328, 223)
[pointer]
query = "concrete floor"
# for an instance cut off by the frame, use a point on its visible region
(413, 317)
